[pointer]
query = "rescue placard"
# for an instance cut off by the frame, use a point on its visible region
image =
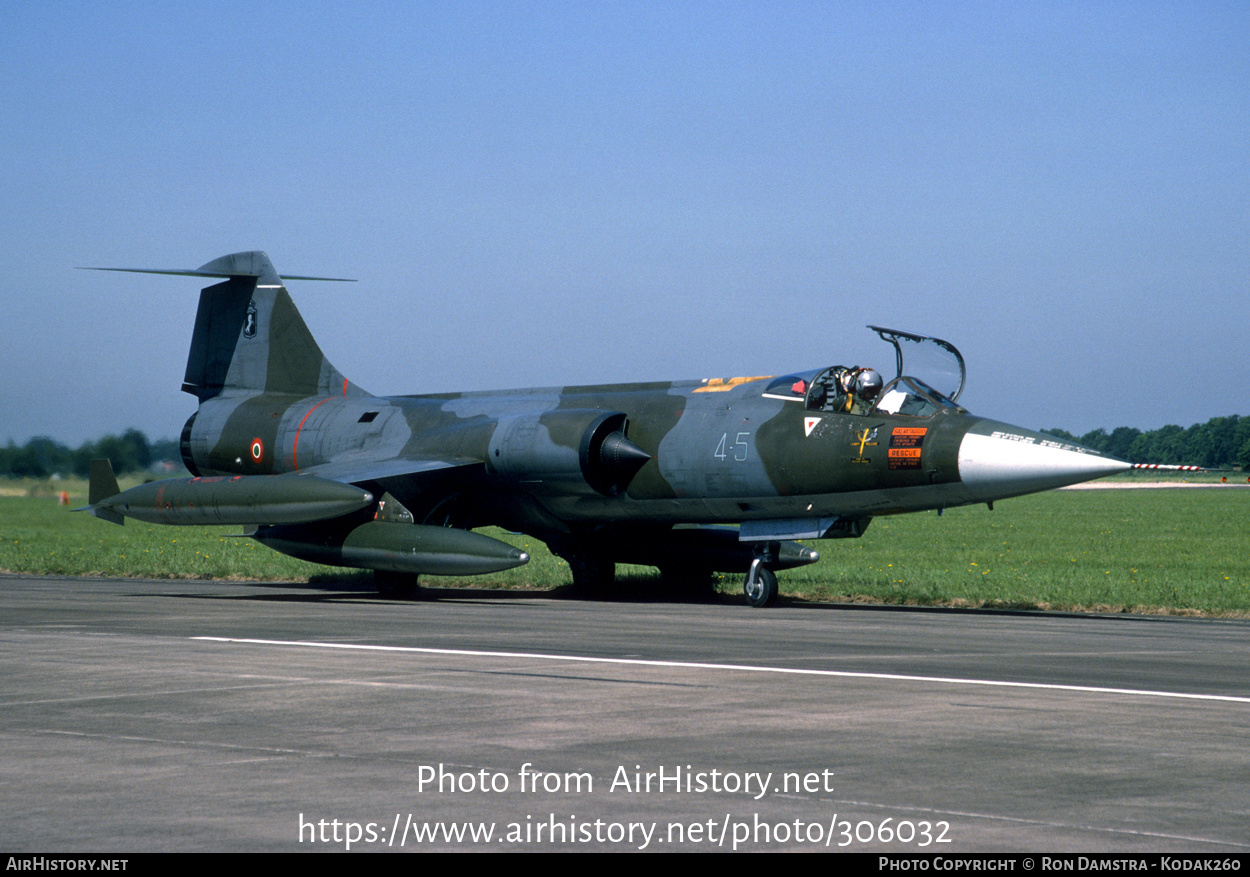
(905, 442)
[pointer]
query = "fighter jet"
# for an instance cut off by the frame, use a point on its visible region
(693, 477)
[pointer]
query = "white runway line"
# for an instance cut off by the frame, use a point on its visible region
(742, 668)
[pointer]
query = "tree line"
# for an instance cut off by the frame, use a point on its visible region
(1221, 442)
(42, 457)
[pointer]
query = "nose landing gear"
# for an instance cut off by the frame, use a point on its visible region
(760, 586)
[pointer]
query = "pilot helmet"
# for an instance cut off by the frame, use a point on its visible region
(868, 384)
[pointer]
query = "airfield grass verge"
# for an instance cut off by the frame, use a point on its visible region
(1139, 551)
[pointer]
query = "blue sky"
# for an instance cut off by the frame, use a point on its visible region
(533, 194)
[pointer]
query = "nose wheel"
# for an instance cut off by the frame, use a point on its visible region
(760, 586)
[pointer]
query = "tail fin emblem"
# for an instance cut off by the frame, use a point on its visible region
(249, 325)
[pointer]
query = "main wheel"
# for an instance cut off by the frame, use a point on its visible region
(396, 585)
(592, 574)
(693, 581)
(760, 586)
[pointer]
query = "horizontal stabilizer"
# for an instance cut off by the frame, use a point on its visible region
(200, 272)
(252, 263)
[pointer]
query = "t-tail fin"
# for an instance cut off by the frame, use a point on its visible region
(249, 336)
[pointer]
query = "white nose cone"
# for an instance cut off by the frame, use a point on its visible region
(997, 461)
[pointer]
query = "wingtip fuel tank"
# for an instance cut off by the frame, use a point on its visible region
(238, 499)
(418, 549)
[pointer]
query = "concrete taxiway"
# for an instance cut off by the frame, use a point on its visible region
(190, 715)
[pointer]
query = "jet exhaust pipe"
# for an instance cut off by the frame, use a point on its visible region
(395, 547)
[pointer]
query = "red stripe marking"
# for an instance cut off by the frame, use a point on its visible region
(299, 429)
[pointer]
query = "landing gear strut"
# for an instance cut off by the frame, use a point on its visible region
(760, 586)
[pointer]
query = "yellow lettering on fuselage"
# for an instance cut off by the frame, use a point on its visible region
(720, 385)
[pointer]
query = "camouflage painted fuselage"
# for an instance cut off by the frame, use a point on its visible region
(603, 474)
(719, 452)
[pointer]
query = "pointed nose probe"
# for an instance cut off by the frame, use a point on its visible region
(997, 460)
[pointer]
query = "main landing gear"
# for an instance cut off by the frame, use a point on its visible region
(593, 574)
(396, 585)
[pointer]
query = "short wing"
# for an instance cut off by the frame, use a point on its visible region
(400, 477)
(361, 471)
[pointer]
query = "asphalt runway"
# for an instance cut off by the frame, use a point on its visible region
(193, 715)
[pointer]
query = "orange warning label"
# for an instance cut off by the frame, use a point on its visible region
(907, 437)
(903, 458)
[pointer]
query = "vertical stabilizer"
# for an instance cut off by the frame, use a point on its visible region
(249, 336)
(103, 485)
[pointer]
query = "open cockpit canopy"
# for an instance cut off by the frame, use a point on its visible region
(937, 363)
(933, 380)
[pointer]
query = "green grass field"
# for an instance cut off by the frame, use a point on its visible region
(1182, 551)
